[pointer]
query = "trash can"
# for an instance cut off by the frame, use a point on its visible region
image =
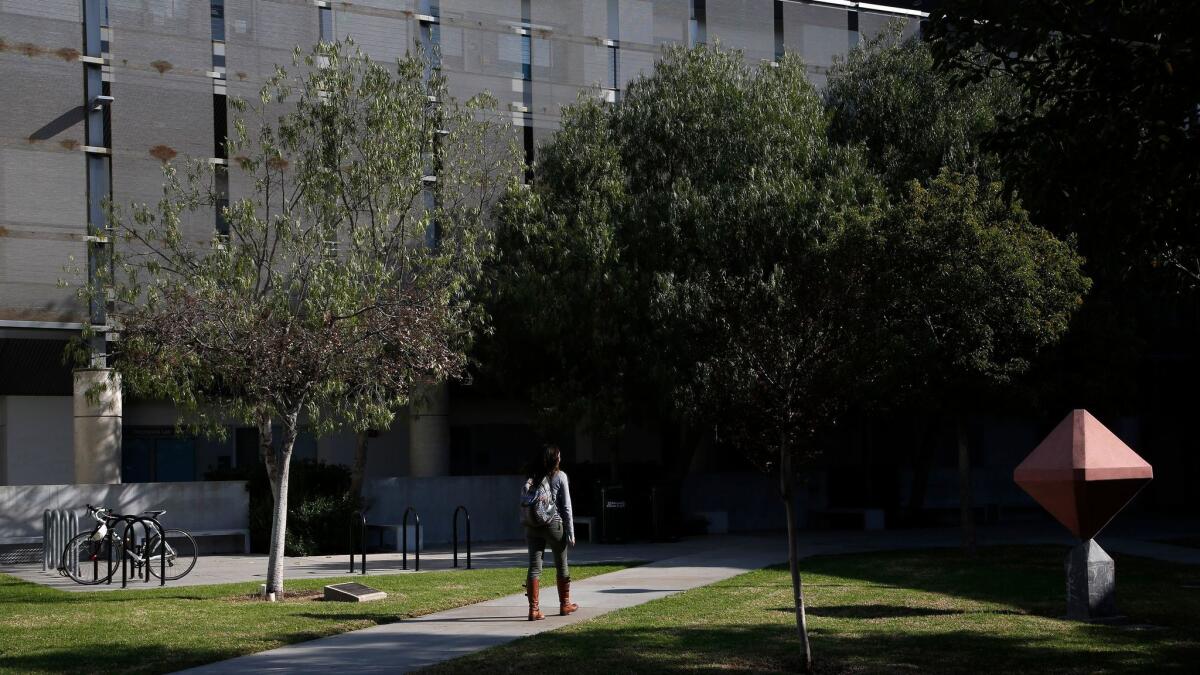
(613, 514)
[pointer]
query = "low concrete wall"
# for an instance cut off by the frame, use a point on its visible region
(750, 499)
(988, 487)
(492, 501)
(199, 506)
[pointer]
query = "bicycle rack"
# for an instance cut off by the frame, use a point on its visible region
(162, 556)
(404, 539)
(59, 527)
(466, 513)
(130, 523)
(360, 519)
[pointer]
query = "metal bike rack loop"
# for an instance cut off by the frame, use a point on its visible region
(466, 513)
(162, 556)
(404, 539)
(358, 520)
(129, 537)
(127, 542)
(59, 527)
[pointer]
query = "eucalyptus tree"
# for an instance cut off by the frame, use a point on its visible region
(346, 273)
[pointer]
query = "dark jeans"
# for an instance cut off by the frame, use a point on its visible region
(537, 538)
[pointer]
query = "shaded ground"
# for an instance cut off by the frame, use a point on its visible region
(1190, 542)
(44, 630)
(920, 612)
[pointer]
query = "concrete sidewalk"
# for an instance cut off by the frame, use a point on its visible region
(1129, 536)
(424, 641)
(224, 569)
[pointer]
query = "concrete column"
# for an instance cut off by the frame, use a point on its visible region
(97, 408)
(429, 431)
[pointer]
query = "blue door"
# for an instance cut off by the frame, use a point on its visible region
(175, 459)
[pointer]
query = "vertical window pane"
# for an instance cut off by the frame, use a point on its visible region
(217, 10)
(326, 24)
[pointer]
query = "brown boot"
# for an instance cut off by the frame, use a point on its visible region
(565, 606)
(532, 591)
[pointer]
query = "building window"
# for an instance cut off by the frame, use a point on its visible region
(698, 23)
(614, 73)
(217, 12)
(326, 15)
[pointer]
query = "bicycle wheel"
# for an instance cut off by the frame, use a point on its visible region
(85, 561)
(180, 552)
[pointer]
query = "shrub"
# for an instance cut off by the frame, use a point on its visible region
(319, 506)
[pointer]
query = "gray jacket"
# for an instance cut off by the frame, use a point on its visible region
(560, 491)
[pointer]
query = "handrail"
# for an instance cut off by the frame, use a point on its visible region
(404, 538)
(361, 521)
(468, 516)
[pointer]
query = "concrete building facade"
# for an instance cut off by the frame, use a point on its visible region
(99, 93)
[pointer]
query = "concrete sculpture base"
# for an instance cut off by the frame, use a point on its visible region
(1091, 584)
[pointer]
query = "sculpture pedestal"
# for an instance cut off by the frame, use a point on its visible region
(1091, 584)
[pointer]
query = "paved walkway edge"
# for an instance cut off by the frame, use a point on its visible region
(417, 643)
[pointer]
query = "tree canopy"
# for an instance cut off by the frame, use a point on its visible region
(972, 290)
(1106, 141)
(913, 119)
(724, 245)
(345, 273)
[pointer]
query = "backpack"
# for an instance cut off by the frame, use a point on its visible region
(537, 506)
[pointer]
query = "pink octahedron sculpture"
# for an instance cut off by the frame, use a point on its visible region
(1083, 474)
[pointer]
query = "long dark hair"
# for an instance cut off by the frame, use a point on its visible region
(544, 463)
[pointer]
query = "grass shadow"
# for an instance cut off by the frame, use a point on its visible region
(874, 611)
(768, 649)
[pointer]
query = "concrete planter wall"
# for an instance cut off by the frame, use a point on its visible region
(199, 506)
(492, 500)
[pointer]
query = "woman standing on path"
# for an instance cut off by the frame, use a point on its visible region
(547, 483)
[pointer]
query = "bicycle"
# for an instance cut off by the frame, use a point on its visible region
(103, 544)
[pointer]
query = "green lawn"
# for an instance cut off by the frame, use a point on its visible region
(910, 612)
(43, 630)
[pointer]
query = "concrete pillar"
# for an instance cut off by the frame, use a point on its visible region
(97, 408)
(429, 431)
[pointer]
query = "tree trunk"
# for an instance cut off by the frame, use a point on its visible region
(786, 490)
(278, 463)
(360, 467)
(964, 488)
